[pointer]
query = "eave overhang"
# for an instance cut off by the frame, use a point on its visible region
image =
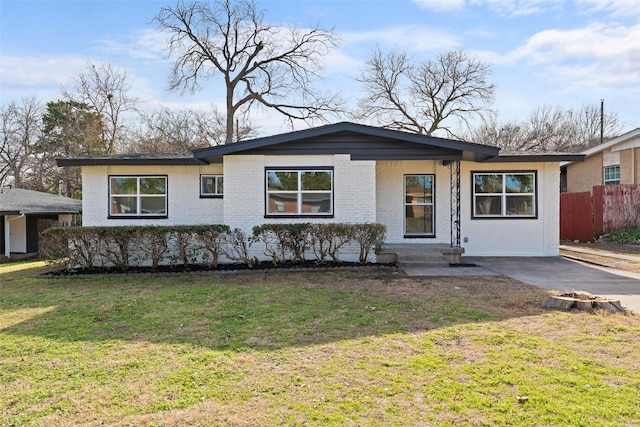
(132, 160)
(540, 157)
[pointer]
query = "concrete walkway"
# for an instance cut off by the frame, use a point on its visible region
(554, 273)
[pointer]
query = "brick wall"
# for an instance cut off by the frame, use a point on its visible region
(390, 193)
(183, 192)
(513, 236)
(630, 166)
(244, 201)
(582, 176)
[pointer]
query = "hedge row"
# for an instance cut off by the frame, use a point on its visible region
(134, 246)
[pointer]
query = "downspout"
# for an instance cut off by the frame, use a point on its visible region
(633, 166)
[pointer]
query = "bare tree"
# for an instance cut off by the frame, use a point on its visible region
(169, 131)
(260, 64)
(424, 97)
(549, 129)
(105, 89)
(20, 131)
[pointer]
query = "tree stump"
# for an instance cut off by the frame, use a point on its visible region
(583, 301)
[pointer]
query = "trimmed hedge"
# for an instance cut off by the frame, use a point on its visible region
(128, 247)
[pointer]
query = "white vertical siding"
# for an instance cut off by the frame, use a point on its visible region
(513, 237)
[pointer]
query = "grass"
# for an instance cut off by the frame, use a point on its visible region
(315, 348)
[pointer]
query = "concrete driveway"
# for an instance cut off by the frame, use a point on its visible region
(561, 274)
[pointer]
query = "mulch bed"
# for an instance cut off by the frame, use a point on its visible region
(219, 269)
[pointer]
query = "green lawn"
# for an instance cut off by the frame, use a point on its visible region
(314, 348)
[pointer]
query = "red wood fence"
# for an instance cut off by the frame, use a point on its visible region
(620, 207)
(584, 216)
(576, 221)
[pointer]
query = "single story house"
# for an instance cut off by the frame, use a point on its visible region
(614, 162)
(24, 214)
(426, 190)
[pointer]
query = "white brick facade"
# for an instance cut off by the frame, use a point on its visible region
(514, 236)
(185, 207)
(364, 191)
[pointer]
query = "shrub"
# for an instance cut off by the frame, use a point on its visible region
(155, 244)
(119, 244)
(211, 239)
(328, 239)
(55, 245)
(283, 242)
(626, 236)
(369, 236)
(236, 247)
(128, 246)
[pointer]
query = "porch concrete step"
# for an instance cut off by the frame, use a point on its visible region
(414, 260)
(421, 255)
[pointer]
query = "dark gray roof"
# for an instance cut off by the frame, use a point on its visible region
(132, 159)
(18, 201)
(525, 156)
(362, 142)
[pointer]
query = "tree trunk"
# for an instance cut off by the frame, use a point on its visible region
(583, 301)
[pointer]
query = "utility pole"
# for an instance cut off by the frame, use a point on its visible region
(601, 121)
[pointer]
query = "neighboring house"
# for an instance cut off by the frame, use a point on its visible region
(24, 214)
(614, 162)
(426, 190)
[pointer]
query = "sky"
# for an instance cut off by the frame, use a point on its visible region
(544, 52)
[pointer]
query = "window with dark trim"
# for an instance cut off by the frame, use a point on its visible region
(138, 196)
(419, 205)
(612, 175)
(299, 192)
(504, 195)
(211, 186)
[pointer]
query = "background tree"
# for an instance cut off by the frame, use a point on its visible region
(260, 64)
(170, 131)
(105, 89)
(424, 97)
(549, 129)
(69, 129)
(20, 130)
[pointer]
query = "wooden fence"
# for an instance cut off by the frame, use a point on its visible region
(576, 220)
(585, 216)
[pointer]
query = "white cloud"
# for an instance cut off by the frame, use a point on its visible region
(598, 54)
(519, 7)
(148, 44)
(441, 5)
(614, 7)
(412, 38)
(40, 76)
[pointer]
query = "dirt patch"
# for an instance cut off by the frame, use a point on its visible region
(605, 253)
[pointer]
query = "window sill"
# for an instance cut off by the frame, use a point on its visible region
(505, 217)
(299, 216)
(137, 217)
(211, 196)
(419, 236)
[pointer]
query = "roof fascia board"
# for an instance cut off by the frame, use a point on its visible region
(549, 157)
(87, 161)
(629, 135)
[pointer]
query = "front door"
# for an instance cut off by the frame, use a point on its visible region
(419, 205)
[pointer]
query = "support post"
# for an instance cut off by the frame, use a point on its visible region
(454, 180)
